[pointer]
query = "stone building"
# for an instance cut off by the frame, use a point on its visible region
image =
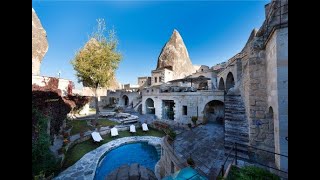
(248, 93)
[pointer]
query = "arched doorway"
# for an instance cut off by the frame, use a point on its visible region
(214, 112)
(270, 117)
(203, 85)
(229, 81)
(221, 84)
(125, 100)
(150, 106)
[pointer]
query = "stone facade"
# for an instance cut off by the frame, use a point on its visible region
(160, 76)
(194, 101)
(250, 89)
(43, 80)
(144, 81)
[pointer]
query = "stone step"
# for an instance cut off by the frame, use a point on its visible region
(240, 147)
(240, 155)
(234, 108)
(241, 134)
(236, 115)
(229, 141)
(229, 126)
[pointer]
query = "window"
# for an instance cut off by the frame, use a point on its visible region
(142, 81)
(184, 110)
(155, 79)
(160, 79)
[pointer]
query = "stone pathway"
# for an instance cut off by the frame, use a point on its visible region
(205, 144)
(85, 168)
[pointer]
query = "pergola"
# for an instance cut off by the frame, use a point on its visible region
(191, 79)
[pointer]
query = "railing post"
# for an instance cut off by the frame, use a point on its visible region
(222, 170)
(236, 150)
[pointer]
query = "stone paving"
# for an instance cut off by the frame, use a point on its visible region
(205, 144)
(85, 168)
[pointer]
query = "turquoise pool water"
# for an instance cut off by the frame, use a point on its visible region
(185, 173)
(142, 153)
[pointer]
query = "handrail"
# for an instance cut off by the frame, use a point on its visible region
(264, 150)
(137, 104)
(235, 149)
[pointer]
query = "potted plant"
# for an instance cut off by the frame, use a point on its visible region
(190, 162)
(65, 142)
(189, 125)
(81, 134)
(194, 119)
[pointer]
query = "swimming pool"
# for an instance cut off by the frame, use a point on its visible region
(142, 153)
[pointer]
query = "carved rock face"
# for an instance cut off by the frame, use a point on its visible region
(175, 55)
(39, 43)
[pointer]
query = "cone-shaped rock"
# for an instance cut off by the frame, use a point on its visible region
(175, 55)
(39, 43)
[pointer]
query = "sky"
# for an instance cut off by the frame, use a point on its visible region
(213, 31)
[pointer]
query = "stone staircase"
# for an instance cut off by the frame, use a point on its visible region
(236, 126)
(158, 149)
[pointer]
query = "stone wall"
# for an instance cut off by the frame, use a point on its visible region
(42, 80)
(265, 93)
(168, 159)
(195, 102)
(277, 75)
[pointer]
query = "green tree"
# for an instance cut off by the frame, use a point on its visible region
(97, 61)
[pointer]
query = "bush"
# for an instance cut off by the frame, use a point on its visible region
(43, 161)
(251, 172)
(194, 119)
(172, 134)
(190, 161)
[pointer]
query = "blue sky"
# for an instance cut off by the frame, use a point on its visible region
(213, 31)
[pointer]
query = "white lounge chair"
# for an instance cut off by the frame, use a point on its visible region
(114, 132)
(145, 127)
(96, 137)
(132, 129)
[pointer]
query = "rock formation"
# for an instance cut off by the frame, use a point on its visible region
(174, 55)
(39, 43)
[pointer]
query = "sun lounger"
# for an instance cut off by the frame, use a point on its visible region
(145, 127)
(132, 129)
(96, 137)
(114, 132)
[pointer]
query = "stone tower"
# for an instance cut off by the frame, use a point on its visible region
(174, 55)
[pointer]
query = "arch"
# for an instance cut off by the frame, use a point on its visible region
(270, 113)
(125, 100)
(150, 109)
(203, 85)
(214, 111)
(221, 84)
(270, 118)
(229, 81)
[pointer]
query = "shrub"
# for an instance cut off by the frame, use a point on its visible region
(43, 161)
(194, 119)
(172, 134)
(190, 161)
(251, 172)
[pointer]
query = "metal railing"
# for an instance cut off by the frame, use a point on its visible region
(200, 172)
(235, 159)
